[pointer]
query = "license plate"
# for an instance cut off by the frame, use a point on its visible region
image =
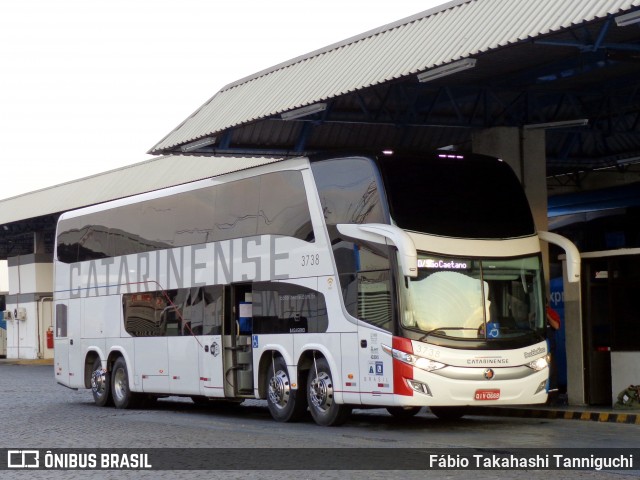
(487, 394)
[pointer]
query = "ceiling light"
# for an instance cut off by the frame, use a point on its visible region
(580, 122)
(203, 142)
(304, 111)
(628, 19)
(448, 69)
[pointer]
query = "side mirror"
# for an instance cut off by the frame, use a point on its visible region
(573, 255)
(386, 234)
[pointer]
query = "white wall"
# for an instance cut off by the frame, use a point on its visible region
(624, 372)
(4, 277)
(30, 286)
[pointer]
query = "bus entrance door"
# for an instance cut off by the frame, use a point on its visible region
(238, 354)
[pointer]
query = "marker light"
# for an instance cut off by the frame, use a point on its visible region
(414, 361)
(541, 387)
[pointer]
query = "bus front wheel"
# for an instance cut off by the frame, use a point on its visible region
(285, 403)
(320, 396)
(404, 412)
(448, 413)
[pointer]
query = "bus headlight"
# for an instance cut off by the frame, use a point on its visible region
(414, 361)
(539, 364)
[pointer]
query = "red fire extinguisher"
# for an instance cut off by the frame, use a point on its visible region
(50, 338)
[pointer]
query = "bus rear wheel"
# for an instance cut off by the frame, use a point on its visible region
(285, 403)
(123, 397)
(320, 396)
(100, 384)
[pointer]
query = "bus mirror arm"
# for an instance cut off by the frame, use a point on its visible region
(572, 253)
(382, 233)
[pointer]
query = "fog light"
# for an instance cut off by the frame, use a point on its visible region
(419, 387)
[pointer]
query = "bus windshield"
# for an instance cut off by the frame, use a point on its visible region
(488, 299)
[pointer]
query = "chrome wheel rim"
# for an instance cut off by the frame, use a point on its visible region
(279, 389)
(321, 392)
(99, 382)
(120, 387)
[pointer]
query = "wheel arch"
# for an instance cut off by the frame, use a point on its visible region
(264, 363)
(89, 360)
(309, 352)
(116, 353)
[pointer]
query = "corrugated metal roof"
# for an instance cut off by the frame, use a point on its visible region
(141, 177)
(436, 37)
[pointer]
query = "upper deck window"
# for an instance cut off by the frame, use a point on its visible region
(349, 191)
(270, 204)
(467, 197)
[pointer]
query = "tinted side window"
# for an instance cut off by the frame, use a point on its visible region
(364, 274)
(192, 217)
(349, 191)
(274, 203)
(145, 314)
(178, 312)
(61, 320)
(125, 229)
(283, 206)
(374, 298)
(236, 212)
(285, 308)
(70, 233)
(94, 240)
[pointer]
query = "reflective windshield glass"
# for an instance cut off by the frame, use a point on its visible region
(473, 298)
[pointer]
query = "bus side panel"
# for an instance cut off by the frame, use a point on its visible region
(350, 384)
(61, 360)
(98, 315)
(61, 343)
(76, 355)
(376, 367)
(184, 375)
(152, 364)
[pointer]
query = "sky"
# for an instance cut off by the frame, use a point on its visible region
(87, 86)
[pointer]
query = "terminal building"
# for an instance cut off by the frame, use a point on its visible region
(550, 87)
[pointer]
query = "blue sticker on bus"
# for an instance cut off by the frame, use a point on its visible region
(254, 342)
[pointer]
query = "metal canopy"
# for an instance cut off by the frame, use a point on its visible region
(569, 66)
(566, 66)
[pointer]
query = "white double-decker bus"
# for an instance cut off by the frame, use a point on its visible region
(319, 284)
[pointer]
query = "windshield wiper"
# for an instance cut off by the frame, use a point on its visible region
(435, 330)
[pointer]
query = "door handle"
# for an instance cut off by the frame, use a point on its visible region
(363, 343)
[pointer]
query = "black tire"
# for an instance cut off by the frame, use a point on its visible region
(285, 404)
(402, 412)
(448, 413)
(123, 397)
(320, 397)
(200, 400)
(100, 385)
